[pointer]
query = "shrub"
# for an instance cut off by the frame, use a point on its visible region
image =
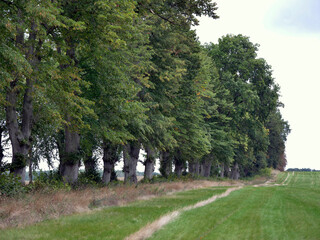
(49, 181)
(10, 185)
(266, 172)
(91, 178)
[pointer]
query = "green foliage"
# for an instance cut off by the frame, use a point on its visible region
(70, 158)
(91, 178)
(19, 161)
(265, 172)
(123, 71)
(10, 185)
(186, 177)
(253, 96)
(278, 129)
(48, 181)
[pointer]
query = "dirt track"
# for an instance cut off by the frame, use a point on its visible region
(150, 228)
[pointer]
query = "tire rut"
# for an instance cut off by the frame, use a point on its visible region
(150, 228)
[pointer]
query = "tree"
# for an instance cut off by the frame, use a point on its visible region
(253, 94)
(114, 64)
(278, 131)
(26, 47)
(217, 108)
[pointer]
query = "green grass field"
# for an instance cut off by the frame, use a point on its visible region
(290, 211)
(279, 212)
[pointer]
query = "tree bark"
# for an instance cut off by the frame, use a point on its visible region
(178, 165)
(19, 137)
(20, 134)
(70, 163)
(165, 163)
(107, 171)
(191, 168)
(113, 175)
(222, 170)
(110, 157)
(130, 156)
(235, 172)
(194, 168)
(90, 163)
(1, 148)
(60, 146)
(149, 163)
(206, 167)
(30, 173)
(197, 168)
(70, 159)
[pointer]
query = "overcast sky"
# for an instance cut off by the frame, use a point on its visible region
(288, 32)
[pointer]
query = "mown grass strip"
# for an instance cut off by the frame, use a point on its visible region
(111, 223)
(279, 212)
(281, 177)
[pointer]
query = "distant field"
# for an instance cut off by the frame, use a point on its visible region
(138, 177)
(288, 211)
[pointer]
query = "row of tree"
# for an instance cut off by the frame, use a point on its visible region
(302, 170)
(117, 76)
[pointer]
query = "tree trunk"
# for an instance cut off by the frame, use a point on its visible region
(178, 165)
(30, 172)
(70, 160)
(113, 175)
(194, 168)
(20, 133)
(206, 167)
(1, 148)
(197, 168)
(130, 156)
(60, 146)
(165, 163)
(110, 157)
(222, 170)
(235, 172)
(107, 171)
(30, 160)
(178, 168)
(191, 168)
(19, 137)
(90, 164)
(149, 163)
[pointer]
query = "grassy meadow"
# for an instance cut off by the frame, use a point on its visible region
(110, 223)
(288, 211)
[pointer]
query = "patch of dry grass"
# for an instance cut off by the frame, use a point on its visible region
(39, 206)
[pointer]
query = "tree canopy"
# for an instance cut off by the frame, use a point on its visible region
(106, 78)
